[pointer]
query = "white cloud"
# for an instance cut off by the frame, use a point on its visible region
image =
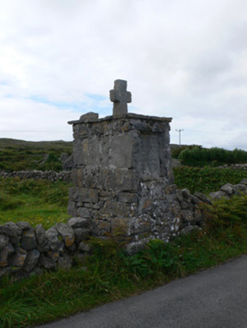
(182, 59)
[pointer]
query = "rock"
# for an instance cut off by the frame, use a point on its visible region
(65, 262)
(5, 253)
(80, 234)
(244, 181)
(186, 194)
(240, 188)
(23, 225)
(83, 247)
(46, 262)
(202, 197)
(40, 234)
(78, 222)
(18, 259)
(54, 256)
(31, 260)
(217, 195)
(52, 239)
(12, 230)
(89, 117)
(67, 233)
(3, 241)
(28, 240)
(228, 189)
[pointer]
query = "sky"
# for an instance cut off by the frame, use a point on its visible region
(185, 59)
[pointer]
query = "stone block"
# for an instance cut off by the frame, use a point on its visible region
(81, 234)
(5, 253)
(3, 241)
(118, 179)
(53, 241)
(228, 189)
(18, 259)
(12, 230)
(67, 233)
(46, 262)
(23, 225)
(78, 222)
(31, 260)
(120, 226)
(28, 240)
(64, 262)
(100, 227)
(116, 209)
(126, 197)
(54, 256)
(121, 149)
(83, 212)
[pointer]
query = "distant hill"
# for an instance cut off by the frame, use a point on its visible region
(16, 155)
(15, 143)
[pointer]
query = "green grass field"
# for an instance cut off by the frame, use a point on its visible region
(111, 274)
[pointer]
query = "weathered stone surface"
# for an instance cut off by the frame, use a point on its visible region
(28, 240)
(42, 243)
(23, 225)
(89, 117)
(5, 253)
(67, 233)
(52, 238)
(18, 259)
(40, 234)
(202, 197)
(218, 195)
(3, 241)
(116, 209)
(126, 197)
(31, 260)
(244, 181)
(78, 222)
(117, 179)
(240, 188)
(186, 215)
(120, 97)
(81, 234)
(83, 212)
(228, 189)
(83, 247)
(54, 256)
(46, 262)
(65, 262)
(186, 194)
(12, 230)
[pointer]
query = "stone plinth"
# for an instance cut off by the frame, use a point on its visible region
(122, 167)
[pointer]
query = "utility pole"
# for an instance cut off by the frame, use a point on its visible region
(179, 131)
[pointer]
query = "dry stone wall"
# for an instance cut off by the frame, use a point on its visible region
(37, 175)
(25, 250)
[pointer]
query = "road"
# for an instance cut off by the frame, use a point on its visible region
(214, 298)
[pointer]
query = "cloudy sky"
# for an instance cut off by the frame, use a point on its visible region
(185, 59)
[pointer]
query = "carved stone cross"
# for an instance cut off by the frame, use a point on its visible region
(120, 97)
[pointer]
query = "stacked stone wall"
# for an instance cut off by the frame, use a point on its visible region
(25, 250)
(37, 175)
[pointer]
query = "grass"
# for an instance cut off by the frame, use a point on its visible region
(17, 155)
(111, 274)
(40, 201)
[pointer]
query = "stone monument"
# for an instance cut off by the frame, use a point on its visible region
(122, 168)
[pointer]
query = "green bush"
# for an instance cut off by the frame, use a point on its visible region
(206, 179)
(198, 156)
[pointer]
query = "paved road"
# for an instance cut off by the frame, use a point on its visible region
(215, 298)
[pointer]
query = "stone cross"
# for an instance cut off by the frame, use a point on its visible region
(120, 97)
